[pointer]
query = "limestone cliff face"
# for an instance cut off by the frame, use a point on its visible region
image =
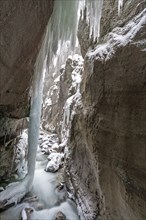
(22, 25)
(106, 165)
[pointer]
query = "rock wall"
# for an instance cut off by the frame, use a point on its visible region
(64, 86)
(105, 168)
(22, 25)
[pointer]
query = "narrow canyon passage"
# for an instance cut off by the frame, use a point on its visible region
(48, 197)
(72, 110)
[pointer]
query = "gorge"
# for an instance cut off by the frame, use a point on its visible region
(73, 109)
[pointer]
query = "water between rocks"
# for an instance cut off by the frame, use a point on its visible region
(44, 201)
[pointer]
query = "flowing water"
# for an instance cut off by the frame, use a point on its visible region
(48, 199)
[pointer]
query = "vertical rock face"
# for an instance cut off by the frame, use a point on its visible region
(22, 25)
(105, 169)
(65, 86)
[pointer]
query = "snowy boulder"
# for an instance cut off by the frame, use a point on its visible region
(60, 216)
(45, 149)
(55, 162)
(45, 143)
(55, 147)
(20, 159)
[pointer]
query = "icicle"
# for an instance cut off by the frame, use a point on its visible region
(120, 5)
(93, 16)
(62, 32)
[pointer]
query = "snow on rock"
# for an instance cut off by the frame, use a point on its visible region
(117, 38)
(55, 162)
(74, 95)
(55, 147)
(21, 155)
(24, 214)
(65, 90)
(46, 141)
(49, 144)
(50, 100)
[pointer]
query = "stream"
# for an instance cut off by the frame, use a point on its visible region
(47, 200)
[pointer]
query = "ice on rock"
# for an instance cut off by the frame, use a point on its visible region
(55, 147)
(21, 155)
(120, 5)
(76, 61)
(24, 214)
(55, 161)
(93, 16)
(117, 38)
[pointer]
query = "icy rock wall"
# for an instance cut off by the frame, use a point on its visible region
(105, 167)
(64, 89)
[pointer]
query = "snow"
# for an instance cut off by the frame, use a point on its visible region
(24, 215)
(55, 161)
(117, 38)
(69, 109)
(57, 79)
(55, 147)
(21, 155)
(48, 101)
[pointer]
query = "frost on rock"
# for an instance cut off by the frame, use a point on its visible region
(47, 142)
(49, 104)
(65, 90)
(74, 96)
(49, 145)
(21, 155)
(119, 37)
(55, 162)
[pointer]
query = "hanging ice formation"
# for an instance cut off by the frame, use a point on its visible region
(15, 191)
(62, 38)
(63, 27)
(93, 15)
(120, 5)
